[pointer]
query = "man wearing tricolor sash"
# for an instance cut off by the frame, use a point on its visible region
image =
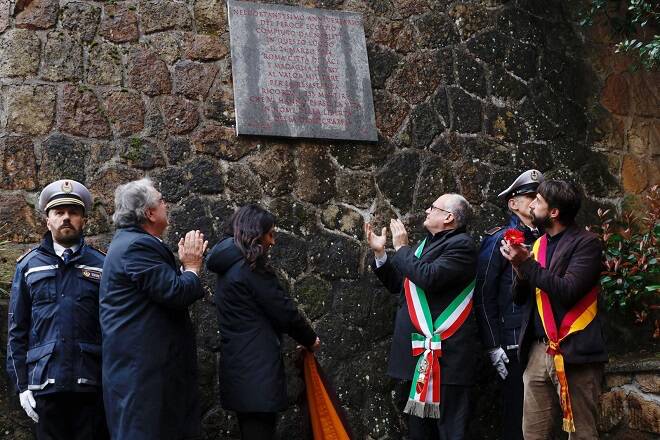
(433, 350)
(561, 344)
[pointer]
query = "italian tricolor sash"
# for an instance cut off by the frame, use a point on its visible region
(424, 398)
(575, 320)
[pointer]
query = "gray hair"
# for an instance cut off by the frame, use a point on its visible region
(131, 202)
(460, 208)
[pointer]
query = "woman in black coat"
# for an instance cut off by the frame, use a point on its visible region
(253, 312)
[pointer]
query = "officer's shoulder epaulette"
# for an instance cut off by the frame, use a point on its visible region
(494, 230)
(28, 252)
(97, 250)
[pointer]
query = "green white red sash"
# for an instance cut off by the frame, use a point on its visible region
(424, 398)
(575, 320)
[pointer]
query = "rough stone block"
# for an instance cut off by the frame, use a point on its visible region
(166, 44)
(63, 57)
(104, 64)
(334, 256)
(180, 115)
(210, 15)
(5, 6)
(163, 15)
(467, 111)
(644, 412)
(274, 164)
(648, 382)
(356, 188)
(81, 19)
(193, 79)
(390, 112)
(125, 111)
(206, 47)
(119, 23)
(38, 14)
(419, 75)
(615, 95)
(19, 53)
(17, 163)
(398, 177)
(290, 254)
(62, 157)
(343, 219)
(148, 73)
(23, 223)
(30, 109)
(314, 296)
(617, 380)
(316, 175)
(244, 185)
(634, 174)
(104, 183)
(220, 141)
(611, 409)
(140, 153)
(206, 176)
(80, 113)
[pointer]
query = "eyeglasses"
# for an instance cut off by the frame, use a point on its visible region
(432, 207)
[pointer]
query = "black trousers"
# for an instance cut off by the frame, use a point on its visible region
(257, 426)
(512, 399)
(71, 416)
(454, 413)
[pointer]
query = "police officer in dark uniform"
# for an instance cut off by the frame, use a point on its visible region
(53, 350)
(498, 317)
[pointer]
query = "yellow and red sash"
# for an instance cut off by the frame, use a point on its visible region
(575, 320)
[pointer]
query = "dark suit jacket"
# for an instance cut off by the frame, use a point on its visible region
(149, 368)
(573, 271)
(447, 265)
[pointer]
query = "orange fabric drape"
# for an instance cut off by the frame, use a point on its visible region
(326, 421)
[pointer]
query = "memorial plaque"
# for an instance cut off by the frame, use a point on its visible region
(300, 72)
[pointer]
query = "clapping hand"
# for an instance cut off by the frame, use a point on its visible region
(376, 242)
(191, 251)
(399, 234)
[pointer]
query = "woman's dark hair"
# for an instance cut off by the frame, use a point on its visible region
(247, 225)
(564, 196)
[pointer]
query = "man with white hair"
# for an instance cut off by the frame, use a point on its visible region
(433, 349)
(149, 353)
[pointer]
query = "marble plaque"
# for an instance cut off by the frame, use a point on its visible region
(300, 72)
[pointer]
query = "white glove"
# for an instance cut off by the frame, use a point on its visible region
(29, 404)
(498, 358)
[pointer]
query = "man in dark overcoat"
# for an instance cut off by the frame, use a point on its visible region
(445, 267)
(557, 286)
(149, 354)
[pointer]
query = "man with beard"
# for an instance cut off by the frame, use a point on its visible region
(433, 349)
(497, 316)
(561, 343)
(54, 340)
(149, 352)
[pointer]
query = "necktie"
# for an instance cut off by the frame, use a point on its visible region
(66, 255)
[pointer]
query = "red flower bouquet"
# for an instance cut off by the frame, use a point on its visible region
(514, 236)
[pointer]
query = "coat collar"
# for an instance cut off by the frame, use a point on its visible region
(139, 230)
(436, 239)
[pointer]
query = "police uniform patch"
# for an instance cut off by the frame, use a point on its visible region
(494, 230)
(91, 274)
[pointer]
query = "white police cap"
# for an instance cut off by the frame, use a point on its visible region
(526, 183)
(65, 192)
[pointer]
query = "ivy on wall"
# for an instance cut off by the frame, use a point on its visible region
(633, 23)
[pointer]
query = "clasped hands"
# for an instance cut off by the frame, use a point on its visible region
(191, 251)
(377, 242)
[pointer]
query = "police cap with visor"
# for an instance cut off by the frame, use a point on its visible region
(526, 183)
(65, 192)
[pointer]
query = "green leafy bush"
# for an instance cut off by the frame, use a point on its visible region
(630, 281)
(634, 23)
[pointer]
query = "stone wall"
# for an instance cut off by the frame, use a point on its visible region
(467, 95)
